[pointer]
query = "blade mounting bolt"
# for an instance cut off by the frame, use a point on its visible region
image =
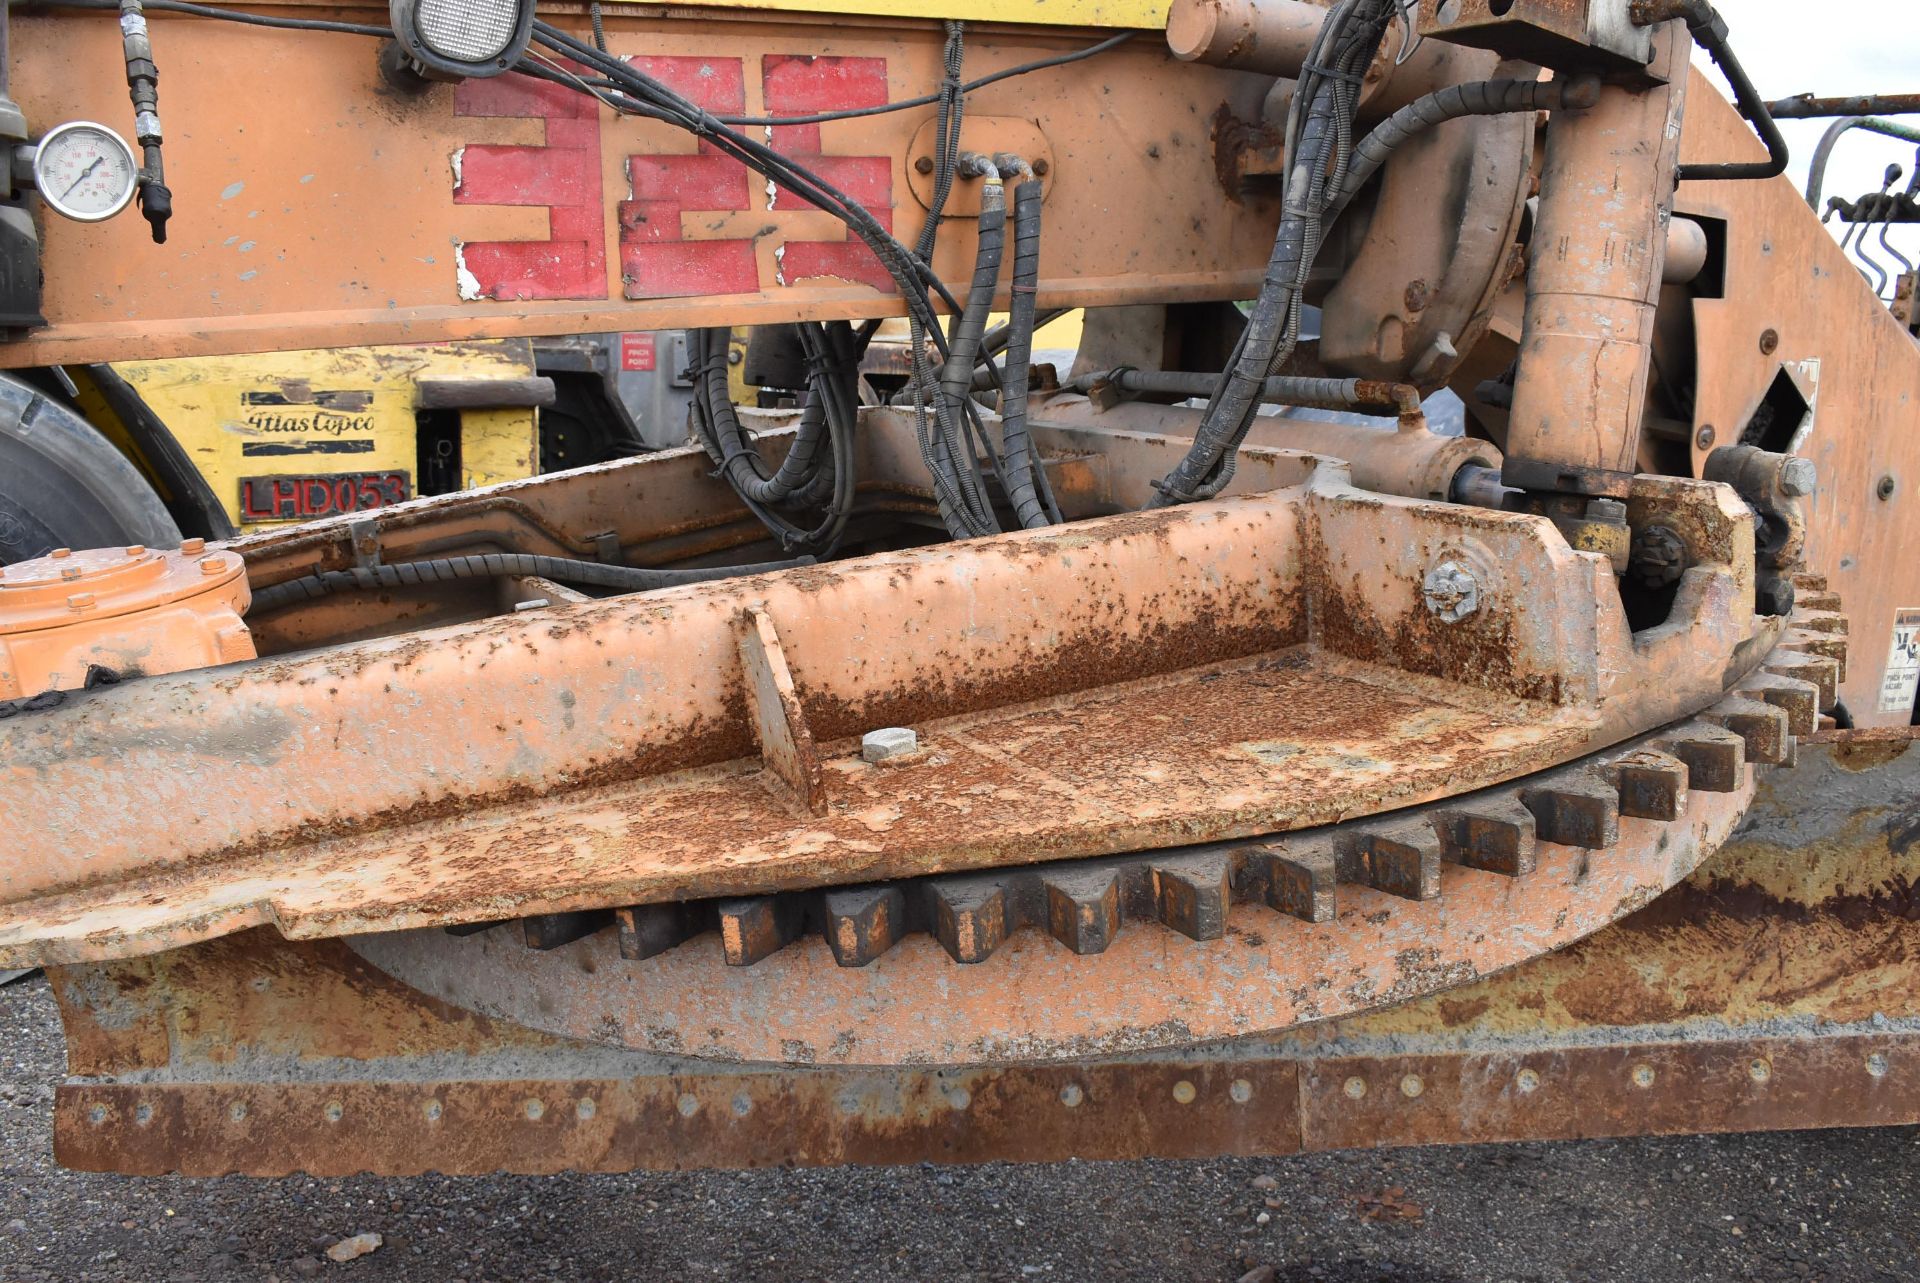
(1797, 478)
(1451, 592)
(889, 742)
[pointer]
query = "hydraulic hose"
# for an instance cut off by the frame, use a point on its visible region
(1026, 479)
(809, 477)
(1480, 98)
(964, 505)
(726, 441)
(1709, 30)
(1318, 150)
(1823, 150)
(494, 565)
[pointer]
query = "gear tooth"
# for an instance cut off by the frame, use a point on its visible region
(1716, 758)
(551, 930)
(1575, 809)
(1402, 859)
(969, 917)
(1652, 785)
(757, 927)
(864, 922)
(1799, 700)
(1763, 727)
(1831, 622)
(1192, 893)
(1808, 642)
(1810, 581)
(650, 929)
(1822, 673)
(1814, 598)
(1083, 907)
(1296, 878)
(1494, 833)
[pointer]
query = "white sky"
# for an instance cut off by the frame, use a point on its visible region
(1828, 49)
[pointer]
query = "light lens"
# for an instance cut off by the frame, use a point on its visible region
(466, 31)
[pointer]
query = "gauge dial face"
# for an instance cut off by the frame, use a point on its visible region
(85, 171)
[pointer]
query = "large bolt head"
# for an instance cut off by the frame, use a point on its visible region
(889, 742)
(1797, 477)
(1451, 592)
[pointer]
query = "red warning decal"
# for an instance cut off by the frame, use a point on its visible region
(693, 223)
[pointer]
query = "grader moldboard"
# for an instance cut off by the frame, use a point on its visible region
(981, 760)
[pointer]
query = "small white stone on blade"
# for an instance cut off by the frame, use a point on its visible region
(889, 741)
(359, 1245)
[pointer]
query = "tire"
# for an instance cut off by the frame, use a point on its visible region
(63, 485)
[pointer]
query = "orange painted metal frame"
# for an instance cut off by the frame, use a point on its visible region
(357, 213)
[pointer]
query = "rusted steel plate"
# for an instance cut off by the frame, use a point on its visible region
(1151, 987)
(1786, 962)
(1029, 1113)
(512, 207)
(1212, 671)
(672, 1122)
(1567, 1093)
(1839, 349)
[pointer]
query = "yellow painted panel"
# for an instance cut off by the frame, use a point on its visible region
(341, 410)
(497, 445)
(1151, 14)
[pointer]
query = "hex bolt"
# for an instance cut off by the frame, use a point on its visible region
(192, 547)
(70, 572)
(211, 566)
(59, 553)
(136, 550)
(924, 165)
(889, 742)
(1658, 557)
(1040, 167)
(80, 601)
(1797, 478)
(1451, 592)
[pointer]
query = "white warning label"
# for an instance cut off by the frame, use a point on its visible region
(1902, 678)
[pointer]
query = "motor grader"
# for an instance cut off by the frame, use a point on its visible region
(1015, 762)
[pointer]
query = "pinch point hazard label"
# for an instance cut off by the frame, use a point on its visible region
(1902, 679)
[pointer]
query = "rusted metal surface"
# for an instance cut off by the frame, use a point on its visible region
(1412, 461)
(509, 207)
(1593, 279)
(1808, 107)
(1772, 989)
(1441, 240)
(1126, 669)
(1849, 362)
(1202, 943)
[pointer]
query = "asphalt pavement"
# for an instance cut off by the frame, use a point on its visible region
(1832, 1205)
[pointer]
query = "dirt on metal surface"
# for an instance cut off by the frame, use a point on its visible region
(1823, 1205)
(253, 1054)
(1084, 690)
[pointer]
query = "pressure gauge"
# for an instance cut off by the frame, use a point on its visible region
(85, 171)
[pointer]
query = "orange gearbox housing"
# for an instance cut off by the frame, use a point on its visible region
(130, 610)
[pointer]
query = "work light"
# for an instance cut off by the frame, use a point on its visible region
(451, 39)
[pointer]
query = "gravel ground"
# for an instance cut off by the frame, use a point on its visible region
(1831, 1205)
